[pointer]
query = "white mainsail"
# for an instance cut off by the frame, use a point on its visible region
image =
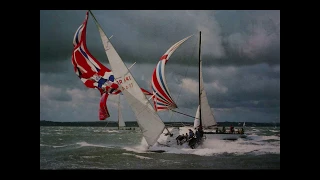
(120, 119)
(207, 118)
(148, 120)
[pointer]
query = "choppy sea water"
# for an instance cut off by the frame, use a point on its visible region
(64, 147)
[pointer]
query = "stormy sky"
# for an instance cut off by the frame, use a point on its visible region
(240, 53)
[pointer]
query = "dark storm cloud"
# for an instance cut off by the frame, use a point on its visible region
(240, 37)
(255, 86)
(55, 94)
(56, 33)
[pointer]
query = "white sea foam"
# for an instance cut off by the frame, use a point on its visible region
(252, 144)
(138, 156)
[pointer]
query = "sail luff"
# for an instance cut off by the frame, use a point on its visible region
(148, 120)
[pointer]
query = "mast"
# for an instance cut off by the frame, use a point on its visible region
(200, 79)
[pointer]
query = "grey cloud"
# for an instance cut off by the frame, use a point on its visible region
(238, 115)
(249, 87)
(142, 35)
(251, 38)
(55, 94)
(61, 97)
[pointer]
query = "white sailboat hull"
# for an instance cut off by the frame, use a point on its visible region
(225, 136)
(212, 135)
(170, 141)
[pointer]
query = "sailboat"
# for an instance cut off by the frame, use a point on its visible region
(148, 120)
(204, 115)
(121, 123)
(163, 101)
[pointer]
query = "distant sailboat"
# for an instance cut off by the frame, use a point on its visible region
(121, 123)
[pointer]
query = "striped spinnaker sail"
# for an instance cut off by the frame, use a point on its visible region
(92, 72)
(161, 95)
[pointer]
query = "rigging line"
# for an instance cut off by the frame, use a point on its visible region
(107, 124)
(171, 117)
(183, 114)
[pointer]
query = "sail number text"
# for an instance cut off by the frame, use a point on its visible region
(124, 80)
